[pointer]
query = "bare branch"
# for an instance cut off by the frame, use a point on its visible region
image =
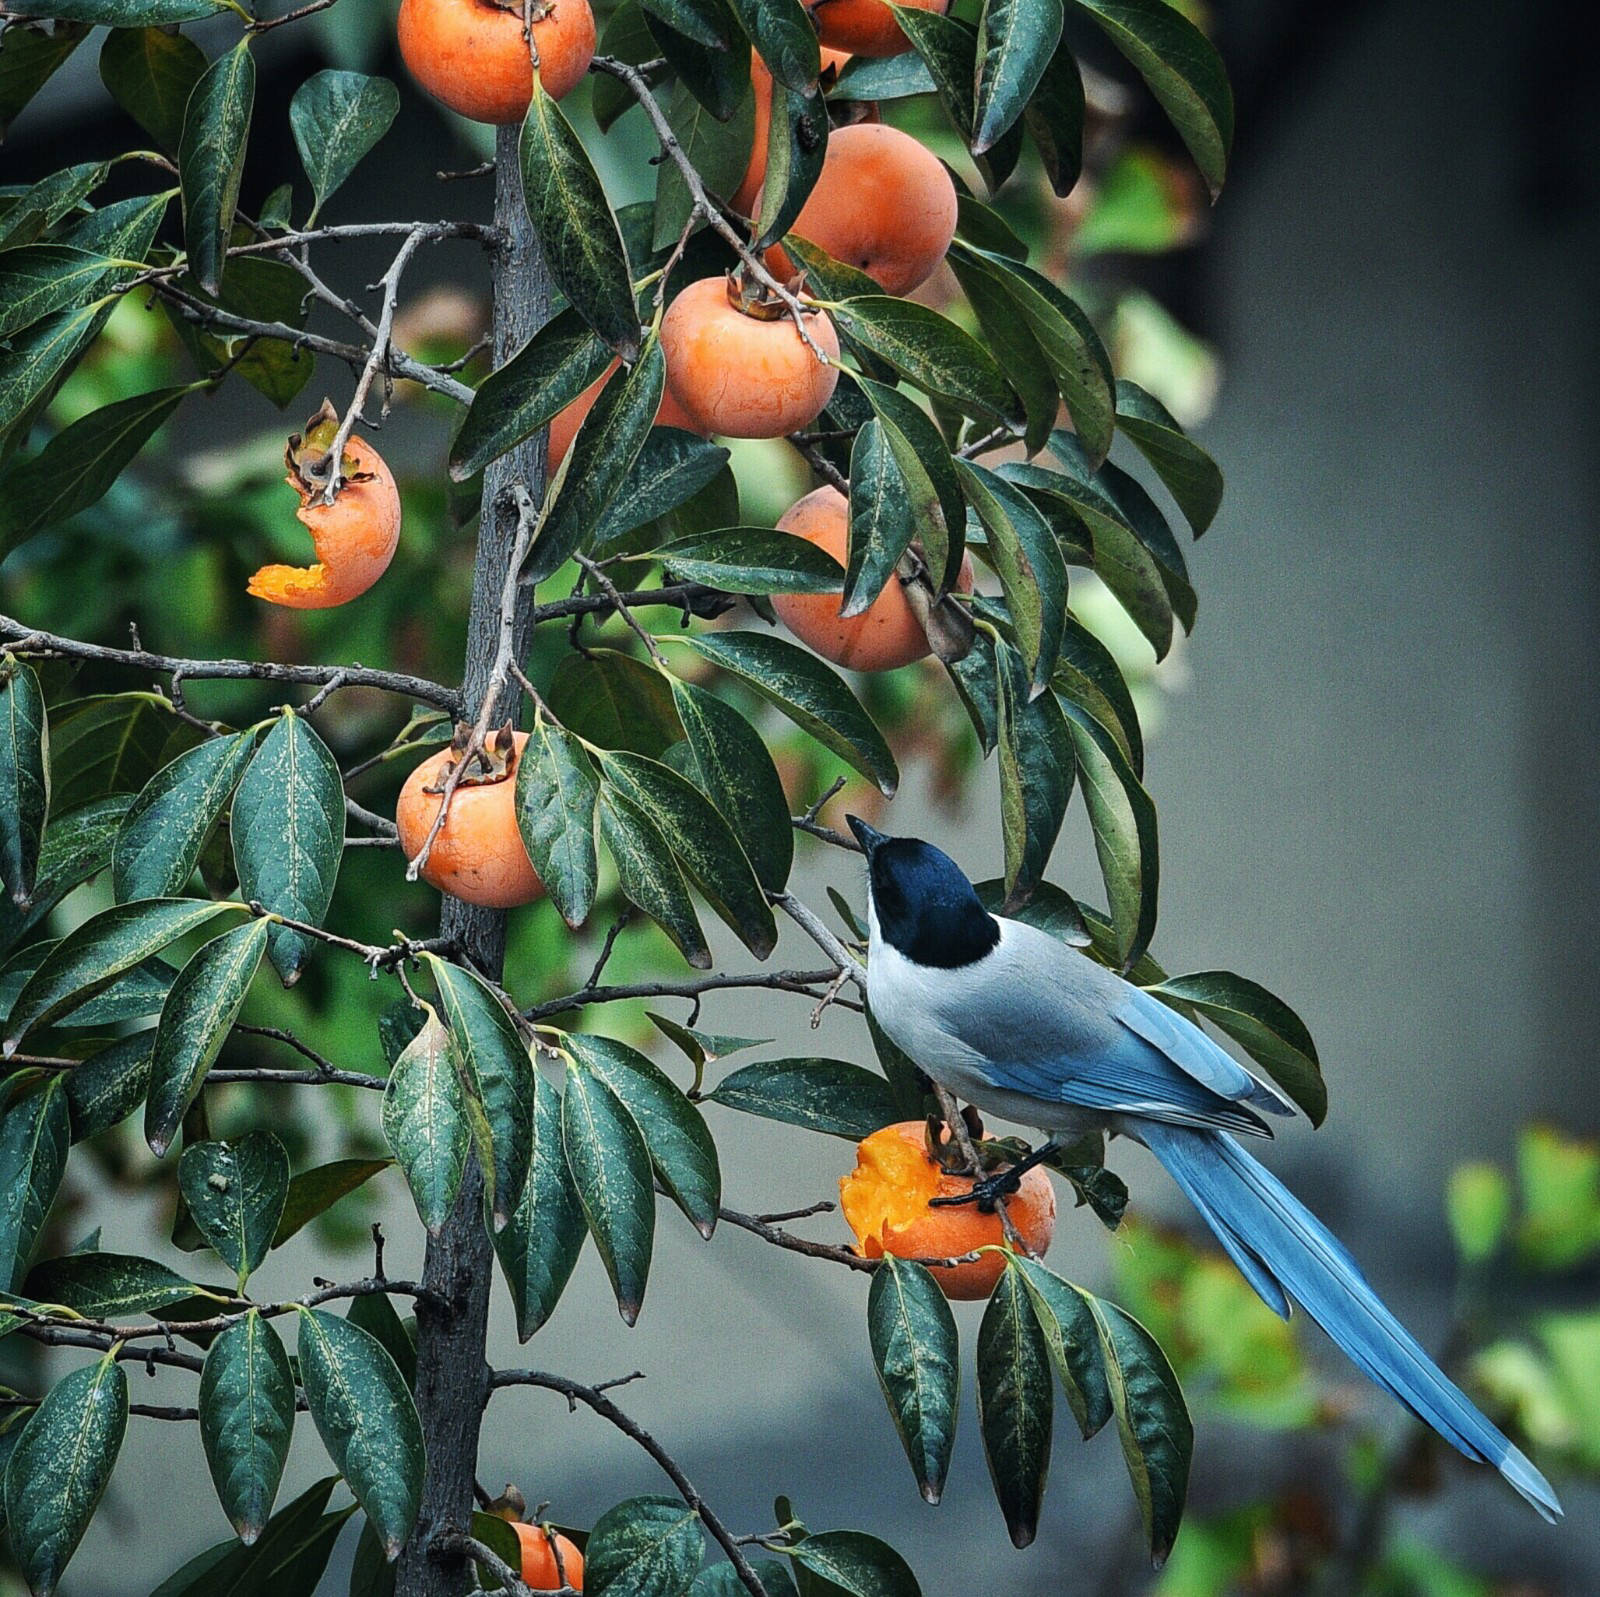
(805, 982)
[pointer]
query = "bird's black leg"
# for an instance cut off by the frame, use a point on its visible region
(987, 1192)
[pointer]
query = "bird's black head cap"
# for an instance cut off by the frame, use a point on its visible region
(926, 907)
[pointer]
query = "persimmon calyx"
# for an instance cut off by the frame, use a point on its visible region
(754, 299)
(493, 760)
(306, 455)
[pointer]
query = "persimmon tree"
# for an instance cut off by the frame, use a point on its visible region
(172, 852)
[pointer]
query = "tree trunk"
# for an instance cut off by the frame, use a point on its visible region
(451, 1364)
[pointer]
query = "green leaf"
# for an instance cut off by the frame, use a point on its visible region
(76, 468)
(1190, 474)
(336, 118)
(40, 279)
(611, 1169)
(672, 468)
(736, 772)
(515, 400)
(113, 743)
(718, 148)
(751, 560)
(121, 13)
(235, 1192)
(1015, 1404)
(1016, 39)
(917, 1353)
(856, 1563)
(601, 454)
(812, 695)
(797, 145)
(24, 777)
(91, 956)
(165, 830)
(680, 1146)
(288, 834)
(29, 57)
(1267, 1028)
(76, 845)
(583, 248)
(136, 994)
(701, 1047)
(1037, 760)
(1010, 340)
(785, 39)
(556, 794)
(722, 1580)
(44, 204)
(1089, 676)
(1054, 118)
(644, 1547)
(1124, 821)
(216, 128)
(1478, 1202)
(315, 1191)
(883, 518)
(109, 1085)
(649, 875)
(375, 1313)
(498, 1072)
(539, 1245)
(701, 841)
(826, 1095)
(1183, 71)
(247, 1400)
(1152, 1420)
(894, 77)
(151, 73)
(425, 1123)
(1073, 1341)
(615, 701)
(367, 1420)
(58, 1471)
(195, 1021)
(104, 1285)
(34, 1136)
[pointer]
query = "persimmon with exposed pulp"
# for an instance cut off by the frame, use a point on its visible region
(866, 27)
(471, 54)
(744, 371)
(885, 1202)
(565, 423)
(539, 1548)
(478, 855)
(887, 634)
(883, 203)
(743, 199)
(354, 537)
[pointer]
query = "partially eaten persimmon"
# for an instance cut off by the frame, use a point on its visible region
(354, 535)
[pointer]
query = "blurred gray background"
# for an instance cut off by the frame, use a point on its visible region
(1378, 792)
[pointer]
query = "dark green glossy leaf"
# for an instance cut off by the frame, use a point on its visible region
(121, 13)
(24, 777)
(315, 1191)
(917, 1353)
(1088, 675)
(751, 560)
(375, 1313)
(826, 1095)
(894, 77)
(797, 145)
(1183, 70)
(58, 1471)
(195, 1021)
(671, 468)
(718, 148)
(29, 57)
(109, 1085)
(583, 248)
(611, 1168)
(1050, 909)
(681, 1149)
(288, 834)
(1015, 1404)
(336, 118)
(111, 744)
(883, 518)
(1190, 474)
(34, 1135)
(367, 1420)
(1152, 1421)
(649, 875)
(136, 994)
(702, 1047)
(1073, 1341)
(495, 1063)
(35, 363)
(425, 1123)
(284, 1559)
(714, 67)
(1037, 757)
(47, 202)
(151, 73)
(91, 956)
(785, 39)
(216, 127)
(539, 1245)
(77, 844)
(856, 1563)
(1016, 39)
(103, 1286)
(736, 772)
(950, 50)
(247, 1399)
(1011, 341)
(163, 833)
(1266, 1026)
(644, 1547)
(722, 1580)
(235, 1192)
(977, 683)
(1054, 119)
(1144, 516)
(514, 401)
(556, 795)
(40, 279)
(812, 695)
(615, 701)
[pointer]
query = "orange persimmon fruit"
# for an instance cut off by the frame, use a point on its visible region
(745, 372)
(866, 27)
(539, 1547)
(354, 537)
(478, 855)
(885, 1202)
(887, 634)
(471, 54)
(883, 203)
(743, 199)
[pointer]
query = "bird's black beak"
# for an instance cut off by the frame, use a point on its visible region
(868, 837)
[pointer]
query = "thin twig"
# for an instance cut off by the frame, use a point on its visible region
(805, 982)
(609, 589)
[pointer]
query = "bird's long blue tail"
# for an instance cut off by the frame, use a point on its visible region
(1282, 1248)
